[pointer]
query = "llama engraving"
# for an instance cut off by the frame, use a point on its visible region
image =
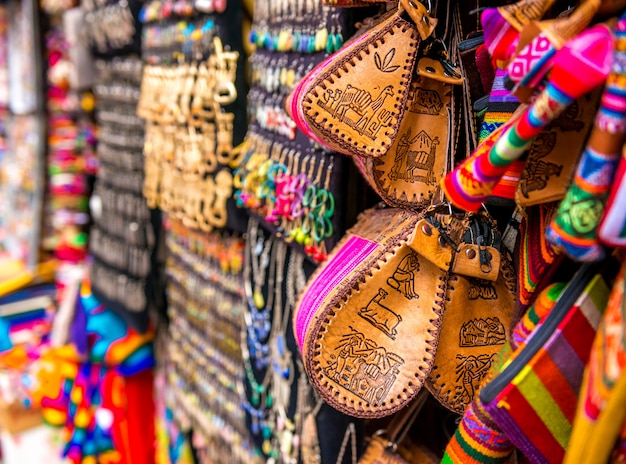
(358, 108)
(380, 316)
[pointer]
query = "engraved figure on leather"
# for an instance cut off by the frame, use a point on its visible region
(537, 172)
(425, 101)
(415, 158)
(372, 383)
(380, 316)
(358, 108)
(470, 372)
(482, 289)
(351, 347)
(363, 367)
(482, 332)
(403, 279)
(567, 120)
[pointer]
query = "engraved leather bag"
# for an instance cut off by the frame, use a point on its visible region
(479, 309)
(421, 153)
(369, 320)
(354, 102)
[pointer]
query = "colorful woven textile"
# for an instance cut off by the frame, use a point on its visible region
(541, 307)
(477, 438)
(536, 408)
(574, 227)
(612, 229)
(536, 256)
(598, 423)
(579, 67)
(502, 26)
(109, 339)
(100, 388)
(502, 104)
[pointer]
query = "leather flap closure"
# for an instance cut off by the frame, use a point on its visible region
(434, 69)
(428, 242)
(419, 14)
(481, 262)
(471, 260)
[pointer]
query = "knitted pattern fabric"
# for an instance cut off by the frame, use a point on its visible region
(540, 308)
(502, 26)
(536, 408)
(605, 368)
(612, 230)
(502, 104)
(536, 255)
(574, 227)
(477, 439)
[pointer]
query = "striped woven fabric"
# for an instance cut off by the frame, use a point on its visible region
(536, 256)
(595, 430)
(477, 439)
(536, 409)
(540, 308)
(502, 104)
(574, 227)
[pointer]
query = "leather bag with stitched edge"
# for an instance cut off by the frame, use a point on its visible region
(407, 174)
(365, 334)
(478, 315)
(355, 102)
(369, 320)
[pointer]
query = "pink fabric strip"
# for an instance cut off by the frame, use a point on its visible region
(349, 257)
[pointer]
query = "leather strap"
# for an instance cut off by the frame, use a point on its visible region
(402, 422)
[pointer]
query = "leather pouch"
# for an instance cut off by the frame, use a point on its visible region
(407, 174)
(354, 103)
(479, 311)
(368, 322)
(366, 335)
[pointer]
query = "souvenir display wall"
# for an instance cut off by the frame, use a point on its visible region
(122, 238)
(373, 231)
(204, 367)
(192, 92)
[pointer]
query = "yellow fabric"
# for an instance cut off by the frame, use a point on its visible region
(592, 442)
